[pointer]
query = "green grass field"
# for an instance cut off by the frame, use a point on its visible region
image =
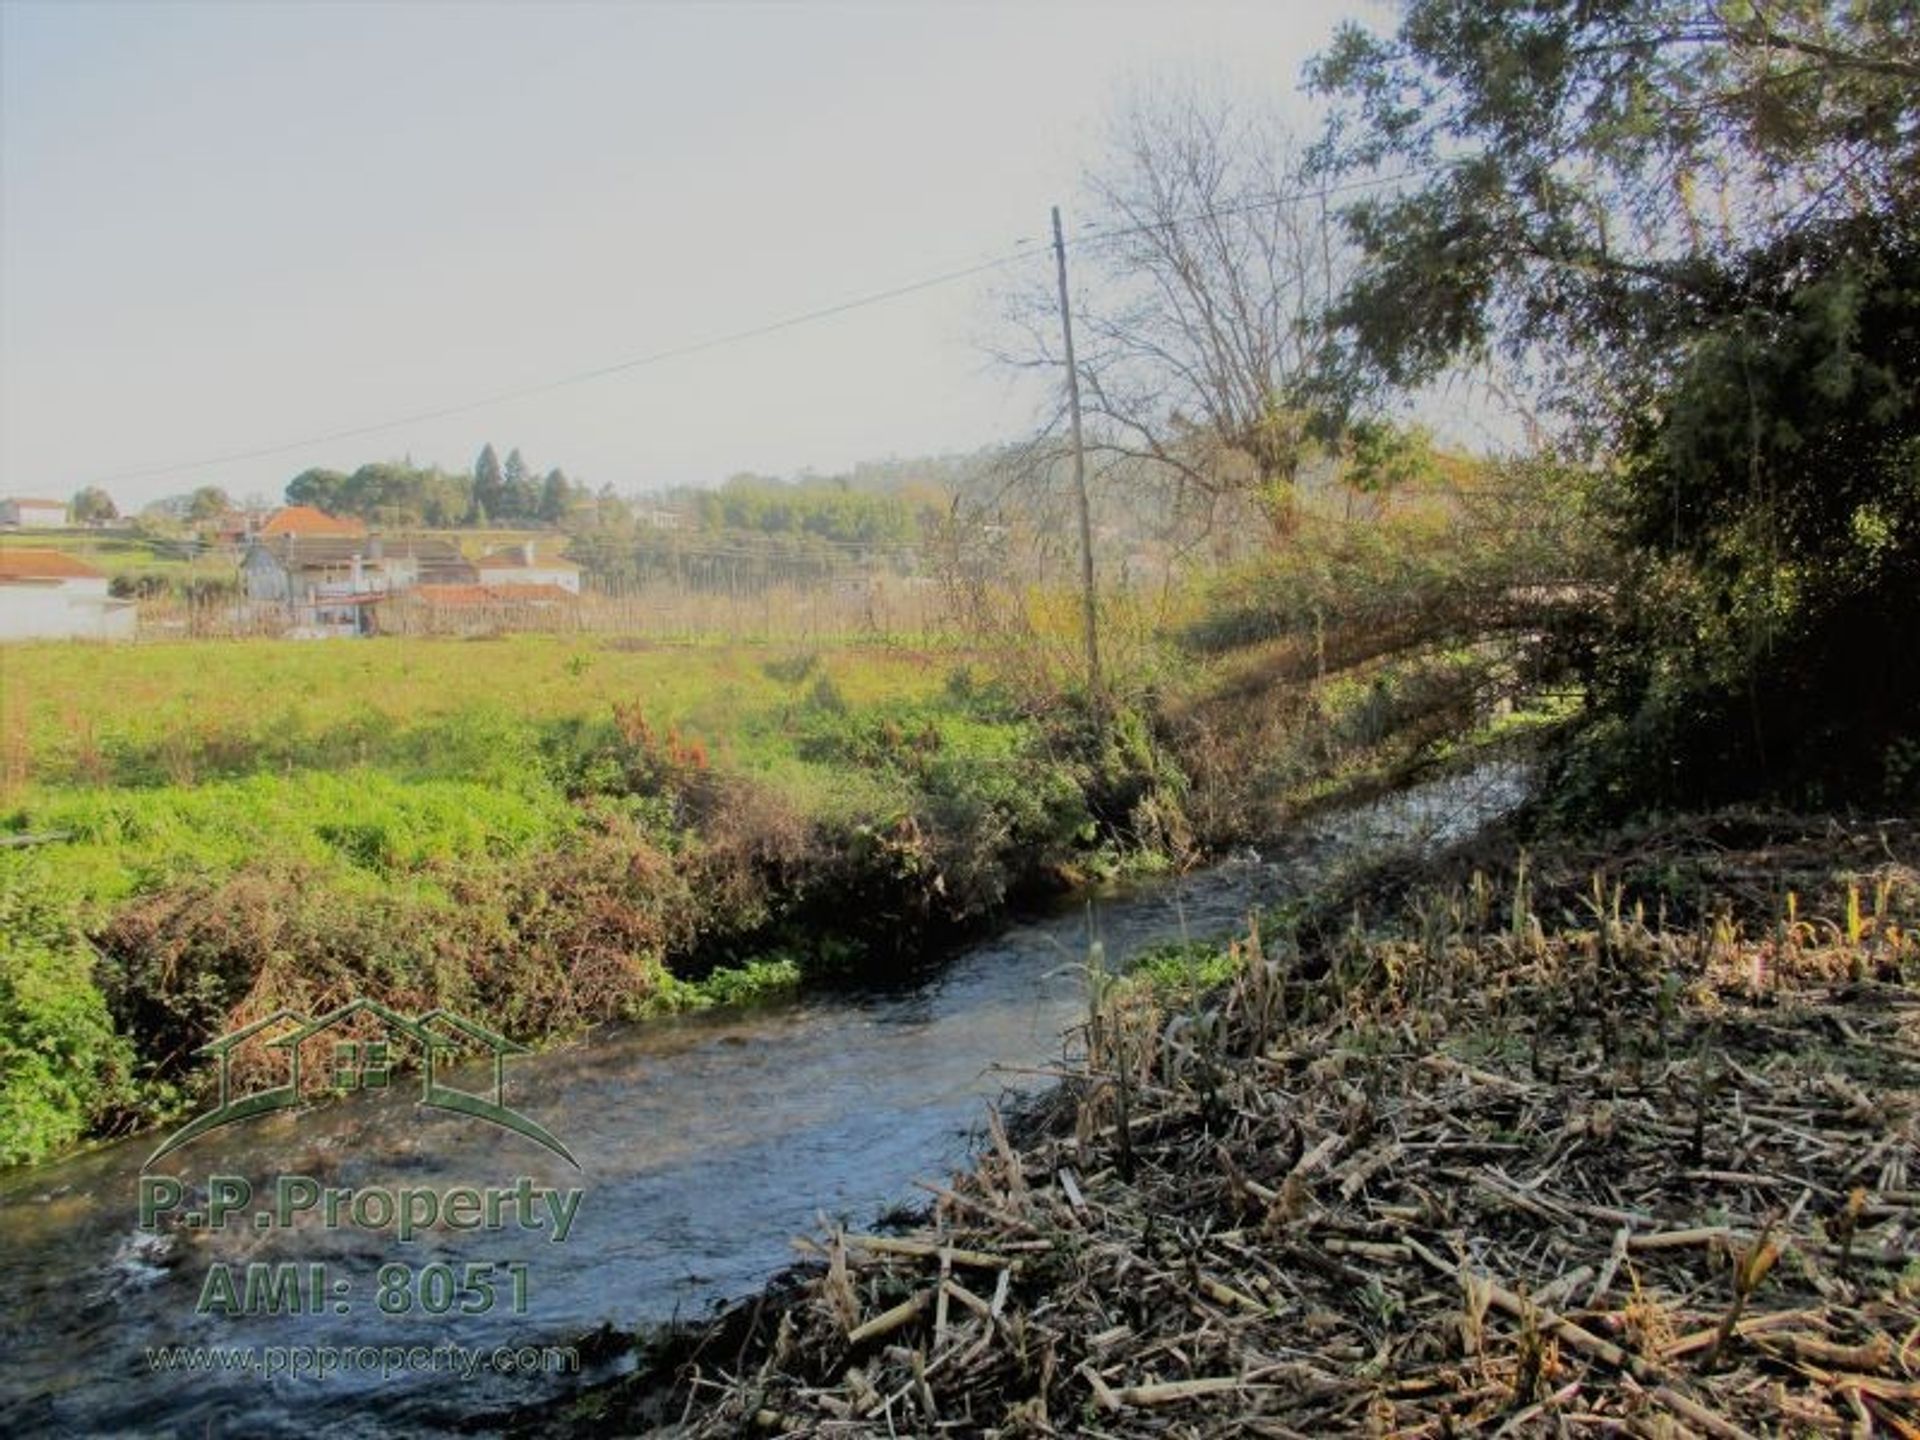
(159, 757)
(78, 714)
(116, 553)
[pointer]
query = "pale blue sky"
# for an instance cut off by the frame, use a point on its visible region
(225, 226)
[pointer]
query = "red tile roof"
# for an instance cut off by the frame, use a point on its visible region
(305, 520)
(45, 565)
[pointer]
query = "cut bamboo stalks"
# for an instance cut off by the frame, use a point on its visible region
(1513, 1206)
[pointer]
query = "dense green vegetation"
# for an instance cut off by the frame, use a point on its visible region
(1691, 230)
(1765, 640)
(1679, 242)
(543, 832)
(62, 1065)
(818, 507)
(401, 493)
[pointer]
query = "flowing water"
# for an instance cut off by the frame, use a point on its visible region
(704, 1145)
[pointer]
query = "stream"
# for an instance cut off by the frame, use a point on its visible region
(704, 1145)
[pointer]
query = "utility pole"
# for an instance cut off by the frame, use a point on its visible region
(1087, 596)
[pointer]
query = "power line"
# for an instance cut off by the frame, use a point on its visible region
(599, 372)
(1268, 202)
(1024, 251)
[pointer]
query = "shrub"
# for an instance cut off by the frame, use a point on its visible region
(578, 934)
(190, 962)
(62, 1067)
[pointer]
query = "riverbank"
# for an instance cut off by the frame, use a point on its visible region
(689, 1129)
(540, 833)
(1619, 1135)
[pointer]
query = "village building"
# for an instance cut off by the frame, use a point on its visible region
(26, 514)
(52, 595)
(232, 529)
(331, 584)
(522, 564)
(305, 520)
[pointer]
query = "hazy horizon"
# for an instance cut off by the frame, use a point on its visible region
(227, 228)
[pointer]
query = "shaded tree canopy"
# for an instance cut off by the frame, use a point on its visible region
(1695, 224)
(319, 488)
(1584, 175)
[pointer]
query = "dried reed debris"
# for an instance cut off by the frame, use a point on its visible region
(1475, 1175)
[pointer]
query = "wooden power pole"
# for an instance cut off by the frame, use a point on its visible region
(1087, 595)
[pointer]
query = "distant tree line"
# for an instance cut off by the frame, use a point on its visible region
(827, 509)
(401, 493)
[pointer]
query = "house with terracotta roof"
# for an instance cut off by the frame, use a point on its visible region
(330, 584)
(305, 520)
(522, 564)
(52, 595)
(27, 514)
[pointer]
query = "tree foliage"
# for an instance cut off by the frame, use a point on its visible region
(1584, 175)
(322, 489)
(399, 493)
(556, 496)
(91, 505)
(519, 491)
(208, 502)
(1772, 505)
(825, 509)
(1694, 224)
(489, 486)
(62, 1067)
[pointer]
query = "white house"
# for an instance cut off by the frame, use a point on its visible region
(28, 514)
(51, 595)
(329, 584)
(522, 565)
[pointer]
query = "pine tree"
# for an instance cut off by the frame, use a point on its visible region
(521, 491)
(556, 496)
(489, 485)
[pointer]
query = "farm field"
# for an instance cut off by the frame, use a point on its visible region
(82, 715)
(113, 552)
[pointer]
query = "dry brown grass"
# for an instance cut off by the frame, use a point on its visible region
(1499, 1168)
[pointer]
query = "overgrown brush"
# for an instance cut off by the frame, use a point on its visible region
(63, 1069)
(593, 868)
(1360, 653)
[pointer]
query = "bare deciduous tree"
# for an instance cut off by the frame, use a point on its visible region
(1204, 263)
